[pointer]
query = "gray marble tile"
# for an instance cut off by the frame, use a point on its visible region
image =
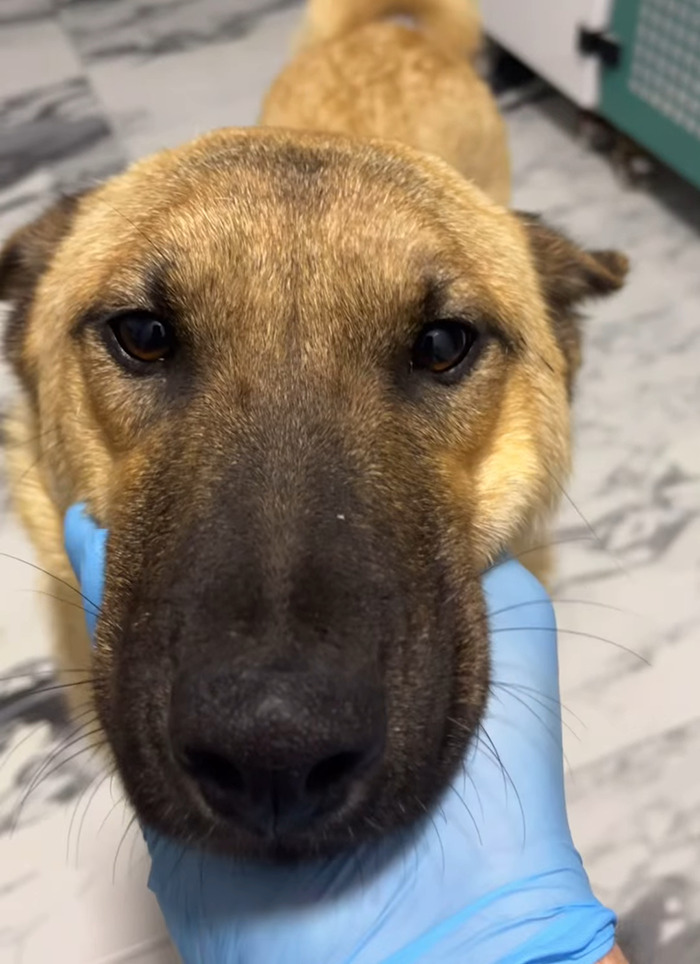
(59, 126)
(56, 137)
(16, 12)
(47, 760)
(105, 29)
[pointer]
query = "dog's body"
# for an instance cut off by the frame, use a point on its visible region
(366, 77)
(313, 385)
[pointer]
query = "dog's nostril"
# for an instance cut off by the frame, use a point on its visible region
(213, 769)
(333, 770)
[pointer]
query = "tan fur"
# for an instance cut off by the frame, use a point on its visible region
(452, 25)
(366, 77)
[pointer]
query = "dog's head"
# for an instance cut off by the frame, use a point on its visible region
(312, 389)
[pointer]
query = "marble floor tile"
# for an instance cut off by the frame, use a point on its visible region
(33, 49)
(160, 99)
(55, 136)
(59, 126)
(104, 30)
(636, 817)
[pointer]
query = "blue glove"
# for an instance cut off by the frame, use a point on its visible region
(491, 878)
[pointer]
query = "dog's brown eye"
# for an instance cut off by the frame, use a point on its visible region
(143, 337)
(441, 347)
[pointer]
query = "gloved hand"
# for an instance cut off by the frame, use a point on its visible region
(492, 877)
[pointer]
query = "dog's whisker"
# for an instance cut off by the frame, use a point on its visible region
(35, 785)
(129, 827)
(95, 784)
(31, 674)
(32, 732)
(507, 778)
(109, 774)
(139, 230)
(51, 575)
(19, 443)
(572, 632)
(594, 535)
(66, 602)
(76, 735)
(552, 544)
(551, 732)
(556, 716)
(53, 687)
(543, 696)
(115, 804)
(471, 816)
(476, 791)
(442, 848)
(46, 449)
(558, 601)
(134, 841)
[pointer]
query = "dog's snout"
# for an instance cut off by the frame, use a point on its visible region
(276, 750)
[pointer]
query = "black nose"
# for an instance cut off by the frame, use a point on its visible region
(275, 749)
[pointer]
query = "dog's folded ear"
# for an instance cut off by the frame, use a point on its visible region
(24, 258)
(568, 276)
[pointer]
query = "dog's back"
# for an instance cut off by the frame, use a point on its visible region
(361, 74)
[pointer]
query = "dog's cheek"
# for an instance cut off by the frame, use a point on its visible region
(517, 483)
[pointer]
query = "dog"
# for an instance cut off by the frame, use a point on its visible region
(314, 383)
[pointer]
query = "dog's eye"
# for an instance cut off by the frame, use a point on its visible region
(442, 346)
(143, 337)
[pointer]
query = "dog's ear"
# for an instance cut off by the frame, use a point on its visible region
(568, 276)
(24, 258)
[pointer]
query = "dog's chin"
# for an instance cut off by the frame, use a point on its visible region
(324, 838)
(273, 848)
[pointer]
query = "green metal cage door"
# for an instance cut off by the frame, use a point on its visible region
(654, 92)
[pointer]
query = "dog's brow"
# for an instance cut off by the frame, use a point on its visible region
(158, 291)
(439, 303)
(151, 293)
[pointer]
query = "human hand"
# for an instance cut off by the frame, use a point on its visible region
(491, 877)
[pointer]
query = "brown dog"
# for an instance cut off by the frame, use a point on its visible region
(313, 385)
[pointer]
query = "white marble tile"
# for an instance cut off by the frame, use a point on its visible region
(74, 890)
(161, 101)
(635, 817)
(34, 51)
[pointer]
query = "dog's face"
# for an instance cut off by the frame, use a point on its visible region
(313, 389)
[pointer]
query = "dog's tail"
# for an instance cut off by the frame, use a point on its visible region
(454, 25)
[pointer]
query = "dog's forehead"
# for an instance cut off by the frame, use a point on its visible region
(274, 220)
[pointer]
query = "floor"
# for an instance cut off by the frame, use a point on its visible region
(88, 85)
